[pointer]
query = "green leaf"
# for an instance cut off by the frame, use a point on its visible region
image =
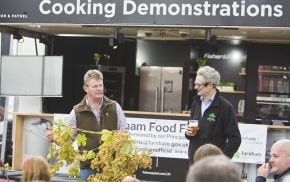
(105, 135)
(81, 139)
(91, 154)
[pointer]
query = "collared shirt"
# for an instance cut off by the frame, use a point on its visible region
(277, 178)
(121, 119)
(206, 104)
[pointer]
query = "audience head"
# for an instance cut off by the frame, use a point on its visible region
(280, 156)
(130, 179)
(35, 168)
(205, 151)
(214, 169)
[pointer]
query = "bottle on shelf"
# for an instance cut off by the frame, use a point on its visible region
(280, 88)
(271, 87)
(286, 87)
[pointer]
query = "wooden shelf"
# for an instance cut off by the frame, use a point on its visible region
(157, 113)
(232, 92)
(274, 72)
(273, 99)
(277, 127)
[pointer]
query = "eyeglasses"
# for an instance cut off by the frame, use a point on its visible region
(198, 85)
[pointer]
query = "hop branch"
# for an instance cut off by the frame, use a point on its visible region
(117, 156)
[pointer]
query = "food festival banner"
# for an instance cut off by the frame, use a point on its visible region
(166, 138)
(253, 146)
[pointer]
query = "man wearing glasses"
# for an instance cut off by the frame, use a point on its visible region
(215, 116)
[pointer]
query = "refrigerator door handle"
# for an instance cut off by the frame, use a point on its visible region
(162, 100)
(156, 99)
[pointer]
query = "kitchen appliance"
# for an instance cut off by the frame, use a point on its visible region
(273, 96)
(160, 89)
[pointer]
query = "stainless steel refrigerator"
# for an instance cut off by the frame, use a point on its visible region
(160, 89)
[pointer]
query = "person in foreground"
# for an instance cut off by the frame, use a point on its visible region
(206, 150)
(130, 179)
(35, 168)
(94, 113)
(217, 123)
(279, 163)
(214, 169)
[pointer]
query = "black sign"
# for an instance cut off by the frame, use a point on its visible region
(165, 169)
(264, 13)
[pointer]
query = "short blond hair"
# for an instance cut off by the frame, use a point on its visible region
(35, 168)
(205, 151)
(93, 74)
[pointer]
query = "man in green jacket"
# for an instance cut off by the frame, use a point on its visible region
(217, 123)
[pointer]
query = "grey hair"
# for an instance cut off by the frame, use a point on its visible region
(93, 74)
(209, 74)
(214, 169)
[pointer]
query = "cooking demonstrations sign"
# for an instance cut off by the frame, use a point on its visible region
(267, 13)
